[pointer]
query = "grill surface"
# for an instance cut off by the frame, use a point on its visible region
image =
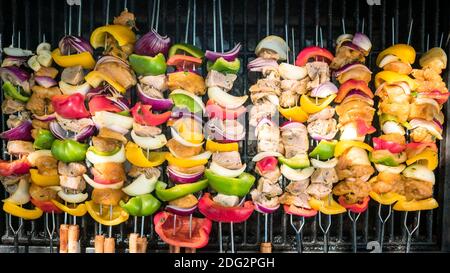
(246, 21)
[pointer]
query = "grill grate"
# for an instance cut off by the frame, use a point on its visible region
(246, 21)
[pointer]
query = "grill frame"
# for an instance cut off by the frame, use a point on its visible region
(242, 22)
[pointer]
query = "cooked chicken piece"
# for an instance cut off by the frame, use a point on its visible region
(11, 183)
(268, 188)
(399, 67)
(386, 182)
(346, 55)
(185, 202)
(230, 160)
(271, 86)
(71, 169)
(40, 101)
(151, 92)
(192, 170)
(273, 175)
(47, 72)
(10, 106)
(297, 187)
(190, 81)
(19, 147)
(295, 140)
(108, 133)
(120, 73)
(264, 200)
(353, 191)
(74, 125)
(300, 200)
(324, 176)
(181, 150)
(326, 113)
(157, 82)
(146, 131)
(318, 190)
(318, 72)
(110, 171)
(363, 172)
(125, 18)
(105, 145)
(295, 86)
(400, 111)
(268, 138)
(289, 99)
(47, 165)
(15, 120)
(393, 94)
(260, 111)
(326, 128)
(353, 110)
(42, 193)
(233, 128)
(224, 81)
(422, 135)
(37, 124)
(148, 172)
(422, 111)
(354, 164)
(268, 54)
(417, 190)
(72, 184)
(113, 48)
(428, 79)
(226, 200)
(73, 75)
(264, 97)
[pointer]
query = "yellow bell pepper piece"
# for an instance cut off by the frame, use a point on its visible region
(430, 156)
(95, 78)
(187, 132)
(79, 210)
(213, 146)
(294, 114)
(388, 198)
(309, 105)
(184, 162)
(415, 205)
(135, 155)
(84, 59)
(27, 214)
(43, 180)
(122, 34)
(343, 145)
(391, 77)
(118, 216)
(405, 53)
(326, 206)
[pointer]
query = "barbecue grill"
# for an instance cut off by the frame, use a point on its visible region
(385, 22)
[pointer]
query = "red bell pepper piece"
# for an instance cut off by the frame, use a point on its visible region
(441, 98)
(46, 206)
(362, 128)
(215, 110)
(102, 103)
(393, 147)
(218, 213)
(352, 85)
(201, 227)
(267, 164)
(70, 106)
(184, 62)
(357, 207)
(415, 148)
(299, 211)
(143, 115)
(16, 167)
(313, 52)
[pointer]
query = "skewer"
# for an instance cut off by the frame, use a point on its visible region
(232, 237)
(298, 231)
(220, 25)
(220, 238)
(15, 233)
(410, 31)
(383, 221)
(51, 231)
(107, 12)
(293, 45)
(135, 225)
(142, 226)
(410, 232)
(157, 16)
(267, 17)
(354, 218)
(325, 230)
(442, 38)
(393, 31)
(80, 14)
(362, 25)
(343, 25)
(186, 33)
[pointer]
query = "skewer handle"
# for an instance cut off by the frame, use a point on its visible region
(174, 249)
(110, 245)
(74, 236)
(133, 247)
(190, 250)
(266, 247)
(63, 238)
(99, 243)
(142, 244)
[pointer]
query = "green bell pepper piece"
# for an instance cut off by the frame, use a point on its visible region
(299, 161)
(14, 93)
(187, 48)
(386, 117)
(178, 190)
(224, 66)
(43, 140)
(145, 65)
(184, 101)
(238, 186)
(125, 113)
(387, 158)
(323, 151)
(69, 150)
(142, 205)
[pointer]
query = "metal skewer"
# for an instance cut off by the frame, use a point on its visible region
(51, 231)
(325, 230)
(298, 231)
(142, 226)
(410, 232)
(354, 218)
(383, 221)
(110, 218)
